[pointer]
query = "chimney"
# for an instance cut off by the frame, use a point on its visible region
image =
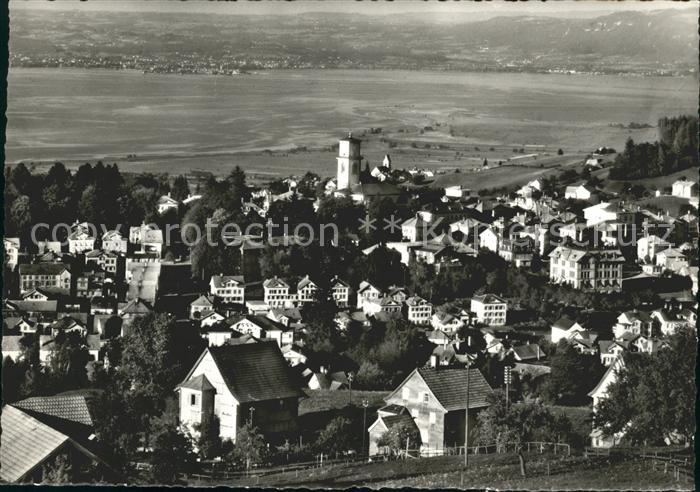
(434, 361)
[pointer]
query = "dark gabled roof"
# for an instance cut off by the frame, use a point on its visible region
(255, 371)
(73, 408)
(449, 386)
(199, 383)
(42, 269)
(266, 323)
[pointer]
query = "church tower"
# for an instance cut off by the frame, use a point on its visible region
(349, 159)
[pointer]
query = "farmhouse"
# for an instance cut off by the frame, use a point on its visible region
(436, 400)
(239, 383)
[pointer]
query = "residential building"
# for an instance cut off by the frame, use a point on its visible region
(80, 239)
(201, 307)
(276, 292)
(684, 188)
(228, 288)
(114, 242)
(593, 269)
(436, 401)
(577, 192)
(489, 309)
(564, 329)
(649, 246)
(366, 292)
(44, 275)
(248, 382)
(165, 203)
(634, 322)
(414, 229)
(446, 322)
(418, 310)
(11, 246)
(306, 290)
(340, 290)
(147, 238)
(672, 259)
(106, 260)
(518, 251)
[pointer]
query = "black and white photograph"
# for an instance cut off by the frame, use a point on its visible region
(332, 244)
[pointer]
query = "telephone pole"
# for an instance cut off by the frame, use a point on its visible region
(365, 404)
(466, 423)
(507, 378)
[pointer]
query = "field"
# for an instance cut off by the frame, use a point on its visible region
(493, 471)
(284, 122)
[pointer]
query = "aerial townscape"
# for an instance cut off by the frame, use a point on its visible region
(122, 342)
(426, 298)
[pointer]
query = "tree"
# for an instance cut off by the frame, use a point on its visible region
(560, 152)
(399, 436)
(172, 454)
(322, 335)
(652, 397)
(249, 449)
(68, 361)
(156, 355)
(520, 422)
(180, 189)
(58, 472)
(208, 440)
(338, 436)
(572, 376)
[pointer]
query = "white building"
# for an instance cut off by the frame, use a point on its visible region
(228, 288)
(80, 239)
(649, 246)
(165, 203)
(349, 159)
(418, 310)
(684, 188)
(489, 309)
(276, 292)
(577, 192)
(113, 241)
(11, 245)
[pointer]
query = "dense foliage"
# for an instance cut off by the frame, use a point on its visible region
(652, 396)
(675, 150)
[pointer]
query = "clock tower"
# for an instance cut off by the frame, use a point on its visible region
(349, 159)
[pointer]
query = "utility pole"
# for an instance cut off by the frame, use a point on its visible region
(351, 376)
(365, 404)
(507, 380)
(250, 412)
(466, 423)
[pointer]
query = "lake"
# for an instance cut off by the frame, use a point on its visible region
(76, 114)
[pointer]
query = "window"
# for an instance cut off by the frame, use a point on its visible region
(432, 418)
(193, 400)
(426, 397)
(405, 393)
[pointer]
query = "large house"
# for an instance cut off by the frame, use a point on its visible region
(684, 188)
(228, 288)
(418, 310)
(11, 246)
(80, 239)
(44, 275)
(436, 401)
(276, 292)
(489, 309)
(113, 241)
(249, 382)
(648, 247)
(340, 291)
(594, 269)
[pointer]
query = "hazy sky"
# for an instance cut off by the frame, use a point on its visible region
(282, 7)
